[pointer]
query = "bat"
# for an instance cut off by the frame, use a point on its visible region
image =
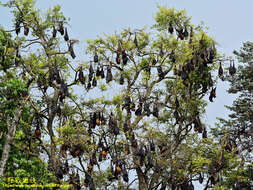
(54, 32)
(170, 29)
(61, 28)
(26, 30)
(95, 58)
(66, 36)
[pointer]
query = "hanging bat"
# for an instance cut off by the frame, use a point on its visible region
(152, 146)
(26, 29)
(54, 32)
(37, 132)
(121, 80)
(81, 76)
(146, 109)
(103, 121)
(126, 128)
(71, 50)
(160, 72)
(135, 41)
(118, 59)
(220, 73)
(94, 82)
(95, 58)
(124, 58)
(127, 149)
(109, 75)
(177, 102)
(170, 29)
(212, 94)
(61, 28)
(204, 134)
(66, 36)
(102, 73)
(185, 33)
(161, 53)
(97, 72)
(17, 26)
(155, 111)
(139, 110)
(98, 119)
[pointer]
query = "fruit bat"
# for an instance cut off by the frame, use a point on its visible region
(149, 158)
(204, 134)
(161, 53)
(94, 82)
(81, 76)
(102, 73)
(160, 72)
(61, 29)
(89, 85)
(220, 71)
(121, 80)
(170, 29)
(180, 34)
(232, 69)
(59, 172)
(183, 74)
(103, 121)
(91, 70)
(17, 26)
(71, 50)
(210, 80)
(90, 76)
(76, 150)
(108, 75)
(125, 175)
(66, 168)
(201, 179)
(94, 119)
(154, 61)
(133, 141)
(127, 149)
(66, 36)
(139, 110)
(162, 148)
(26, 30)
(54, 32)
(135, 41)
(95, 59)
(97, 72)
(152, 146)
(172, 56)
(126, 128)
(124, 58)
(177, 103)
(98, 119)
(212, 94)
(176, 115)
(104, 152)
(116, 129)
(185, 33)
(37, 132)
(146, 109)
(155, 111)
(118, 59)
(63, 90)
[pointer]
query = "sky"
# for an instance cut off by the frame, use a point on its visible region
(229, 23)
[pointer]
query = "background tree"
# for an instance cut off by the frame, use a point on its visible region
(237, 131)
(146, 121)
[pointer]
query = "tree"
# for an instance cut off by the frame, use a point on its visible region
(237, 131)
(150, 122)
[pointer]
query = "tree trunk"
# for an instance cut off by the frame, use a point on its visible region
(12, 126)
(143, 184)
